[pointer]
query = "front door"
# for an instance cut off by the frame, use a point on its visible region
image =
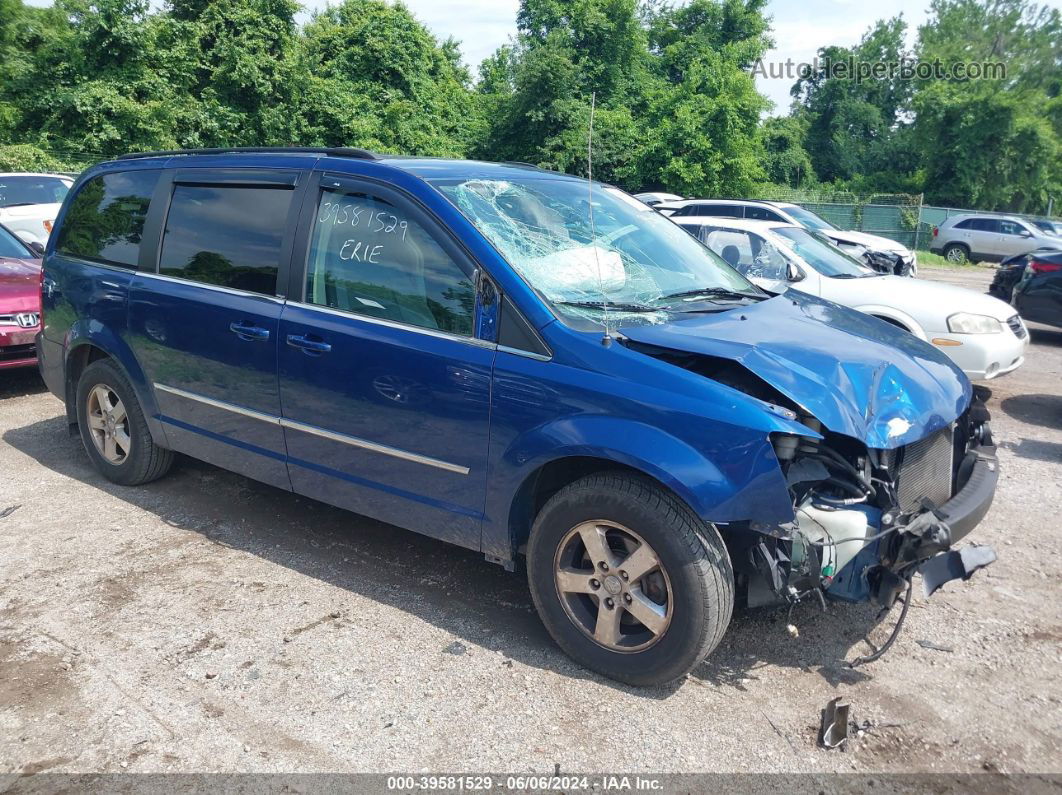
(385, 389)
(204, 324)
(1014, 239)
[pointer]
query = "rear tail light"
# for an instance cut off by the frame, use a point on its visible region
(936, 231)
(48, 226)
(1045, 267)
(40, 296)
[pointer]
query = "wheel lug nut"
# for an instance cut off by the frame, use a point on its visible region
(609, 604)
(623, 574)
(603, 565)
(594, 583)
(627, 598)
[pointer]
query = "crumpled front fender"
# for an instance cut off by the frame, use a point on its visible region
(734, 477)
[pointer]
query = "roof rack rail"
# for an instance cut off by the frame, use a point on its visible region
(333, 151)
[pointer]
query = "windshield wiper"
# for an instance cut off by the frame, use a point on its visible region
(617, 305)
(714, 292)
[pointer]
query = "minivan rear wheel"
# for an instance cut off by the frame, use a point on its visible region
(957, 253)
(113, 429)
(628, 580)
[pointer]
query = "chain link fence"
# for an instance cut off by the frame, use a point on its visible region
(898, 216)
(891, 215)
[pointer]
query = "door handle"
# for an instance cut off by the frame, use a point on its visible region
(311, 346)
(249, 333)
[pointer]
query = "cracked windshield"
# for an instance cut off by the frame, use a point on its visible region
(627, 260)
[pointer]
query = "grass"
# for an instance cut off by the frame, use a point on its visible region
(928, 260)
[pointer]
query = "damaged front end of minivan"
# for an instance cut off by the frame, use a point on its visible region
(866, 520)
(896, 466)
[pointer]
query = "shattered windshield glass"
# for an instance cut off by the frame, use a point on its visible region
(628, 260)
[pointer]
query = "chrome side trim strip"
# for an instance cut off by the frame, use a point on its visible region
(373, 446)
(215, 287)
(446, 335)
(220, 404)
(354, 441)
(527, 354)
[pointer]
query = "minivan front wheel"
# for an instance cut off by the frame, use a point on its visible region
(627, 580)
(113, 429)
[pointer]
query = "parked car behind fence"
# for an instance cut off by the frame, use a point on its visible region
(976, 237)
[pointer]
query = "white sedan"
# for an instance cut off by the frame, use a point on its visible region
(29, 203)
(981, 334)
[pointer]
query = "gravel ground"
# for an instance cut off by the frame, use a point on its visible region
(209, 623)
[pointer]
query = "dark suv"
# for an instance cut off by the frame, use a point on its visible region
(519, 362)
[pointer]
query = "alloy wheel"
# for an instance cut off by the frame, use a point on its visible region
(108, 424)
(613, 586)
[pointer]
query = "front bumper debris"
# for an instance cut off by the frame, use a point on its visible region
(955, 564)
(868, 521)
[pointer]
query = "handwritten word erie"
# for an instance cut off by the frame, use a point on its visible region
(360, 216)
(359, 252)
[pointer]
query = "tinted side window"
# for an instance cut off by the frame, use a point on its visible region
(986, 224)
(226, 235)
(762, 214)
(719, 210)
(1011, 228)
(967, 224)
(369, 257)
(105, 221)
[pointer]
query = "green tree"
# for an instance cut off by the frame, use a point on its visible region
(676, 105)
(785, 158)
(702, 133)
(375, 77)
(850, 120)
(992, 143)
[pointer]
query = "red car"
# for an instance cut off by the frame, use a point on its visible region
(20, 301)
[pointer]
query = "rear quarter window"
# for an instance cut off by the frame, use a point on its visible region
(105, 220)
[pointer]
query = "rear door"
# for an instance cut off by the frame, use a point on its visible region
(384, 384)
(204, 322)
(986, 237)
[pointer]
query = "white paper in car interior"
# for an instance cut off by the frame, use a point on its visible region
(574, 272)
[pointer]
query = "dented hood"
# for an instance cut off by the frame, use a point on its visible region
(856, 374)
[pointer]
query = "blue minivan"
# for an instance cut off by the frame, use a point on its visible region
(520, 362)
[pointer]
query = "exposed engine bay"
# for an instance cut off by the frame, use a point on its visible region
(865, 520)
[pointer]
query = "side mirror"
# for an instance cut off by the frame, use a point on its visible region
(36, 248)
(793, 273)
(1025, 233)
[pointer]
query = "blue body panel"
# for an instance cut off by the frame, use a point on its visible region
(423, 395)
(887, 389)
(181, 333)
(438, 434)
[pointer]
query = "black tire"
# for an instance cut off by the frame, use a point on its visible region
(957, 253)
(145, 461)
(691, 556)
